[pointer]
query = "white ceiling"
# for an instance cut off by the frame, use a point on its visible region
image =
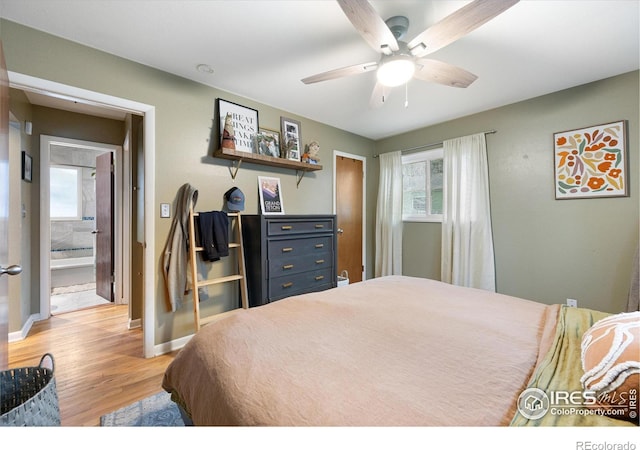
(262, 49)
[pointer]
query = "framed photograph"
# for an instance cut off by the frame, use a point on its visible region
(27, 167)
(268, 142)
(592, 162)
(270, 195)
(238, 126)
(291, 138)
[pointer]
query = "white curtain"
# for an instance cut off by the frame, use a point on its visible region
(467, 242)
(389, 216)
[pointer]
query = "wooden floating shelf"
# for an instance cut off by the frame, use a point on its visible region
(255, 158)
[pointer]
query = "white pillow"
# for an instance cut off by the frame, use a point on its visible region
(611, 362)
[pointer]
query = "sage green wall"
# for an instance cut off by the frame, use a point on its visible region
(184, 117)
(545, 249)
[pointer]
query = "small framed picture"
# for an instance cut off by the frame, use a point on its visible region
(268, 142)
(27, 167)
(238, 126)
(291, 138)
(270, 196)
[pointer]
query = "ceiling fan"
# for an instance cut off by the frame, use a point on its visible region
(401, 61)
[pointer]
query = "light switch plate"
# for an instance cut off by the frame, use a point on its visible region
(165, 210)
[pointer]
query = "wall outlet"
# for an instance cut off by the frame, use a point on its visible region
(165, 210)
(572, 302)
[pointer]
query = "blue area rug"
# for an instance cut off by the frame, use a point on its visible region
(155, 411)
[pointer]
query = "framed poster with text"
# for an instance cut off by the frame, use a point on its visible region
(270, 195)
(238, 126)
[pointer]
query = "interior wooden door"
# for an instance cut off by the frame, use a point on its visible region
(349, 202)
(4, 211)
(104, 226)
(137, 219)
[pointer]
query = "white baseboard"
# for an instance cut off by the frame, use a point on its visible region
(22, 334)
(161, 349)
(168, 347)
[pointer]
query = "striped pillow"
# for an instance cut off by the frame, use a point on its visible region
(611, 362)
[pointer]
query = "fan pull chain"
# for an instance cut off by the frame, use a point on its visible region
(406, 95)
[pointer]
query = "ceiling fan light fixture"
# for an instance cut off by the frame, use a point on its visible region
(396, 70)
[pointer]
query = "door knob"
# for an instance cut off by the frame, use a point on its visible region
(95, 232)
(340, 231)
(11, 270)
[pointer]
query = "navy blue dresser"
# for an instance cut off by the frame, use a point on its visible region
(288, 255)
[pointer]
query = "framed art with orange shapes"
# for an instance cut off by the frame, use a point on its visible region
(592, 162)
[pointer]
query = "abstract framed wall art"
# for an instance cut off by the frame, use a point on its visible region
(592, 162)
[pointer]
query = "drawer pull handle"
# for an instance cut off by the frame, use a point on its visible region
(287, 266)
(319, 245)
(287, 249)
(320, 277)
(319, 225)
(287, 285)
(287, 227)
(320, 261)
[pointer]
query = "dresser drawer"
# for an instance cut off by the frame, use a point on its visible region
(285, 227)
(280, 287)
(287, 265)
(309, 246)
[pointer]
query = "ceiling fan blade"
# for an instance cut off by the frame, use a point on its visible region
(443, 73)
(370, 25)
(339, 73)
(378, 96)
(457, 24)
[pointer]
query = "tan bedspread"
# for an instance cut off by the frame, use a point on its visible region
(385, 352)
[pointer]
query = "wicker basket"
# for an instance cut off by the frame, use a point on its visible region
(28, 396)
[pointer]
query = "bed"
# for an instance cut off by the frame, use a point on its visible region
(390, 351)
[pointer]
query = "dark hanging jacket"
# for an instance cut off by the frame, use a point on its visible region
(213, 227)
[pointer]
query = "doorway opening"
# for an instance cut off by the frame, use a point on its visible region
(76, 199)
(142, 184)
(81, 237)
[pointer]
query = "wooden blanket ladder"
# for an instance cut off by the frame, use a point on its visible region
(239, 276)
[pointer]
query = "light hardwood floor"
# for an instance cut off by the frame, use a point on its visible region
(99, 364)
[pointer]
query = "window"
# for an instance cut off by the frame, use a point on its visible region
(422, 186)
(65, 193)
